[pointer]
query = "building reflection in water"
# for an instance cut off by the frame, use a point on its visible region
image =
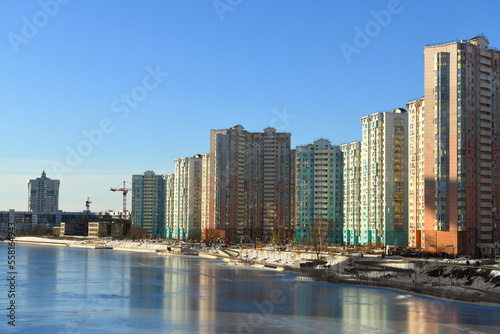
(160, 293)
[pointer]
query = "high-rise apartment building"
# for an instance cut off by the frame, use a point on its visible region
(205, 198)
(384, 178)
(169, 205)
(148, 203)
(43, 194)
(187, 198)
(456, 156)
(351, 156)
(250, 184)
(416, 180)
(318, 192)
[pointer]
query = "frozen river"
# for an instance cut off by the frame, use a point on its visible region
(76, 290)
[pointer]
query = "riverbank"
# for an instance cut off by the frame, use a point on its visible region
(438, 279)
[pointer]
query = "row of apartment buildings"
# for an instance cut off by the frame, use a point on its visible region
(240, 190)
(426, 178)
(255, 186)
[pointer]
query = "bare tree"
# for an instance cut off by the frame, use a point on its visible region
(137, 232)
(210, 234)
(320, 233)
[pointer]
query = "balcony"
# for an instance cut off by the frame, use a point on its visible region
(485, 61)
(484, 132)
(484, 77)
(485, 228)
(485, 140)
(486, 206)
(485, 196)
(483, 100)
(484, 69)
(485, 53)
(484, 148)
(485, 172)
(485, 213)
(485, 124)
(485, 84)
(485, 164)
(485, 108)
(485, 116)
(484, 156)
(485, 188)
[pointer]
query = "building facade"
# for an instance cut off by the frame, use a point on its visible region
(25, 220)
(458, 165)
(43, 194)
(208, 231)
(169, 205)
(148, 203)
(416, 180)
(250, 184)
(384, 178)
(351, 202)
(187, 198)
(318, 192)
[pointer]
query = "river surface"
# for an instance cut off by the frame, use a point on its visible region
(77, 290)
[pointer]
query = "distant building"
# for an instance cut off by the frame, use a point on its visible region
(318, 191)
(25, 220)
(384, 179)
(351, 156)
(77, 228)
(105, 229)
(43, 194)
(115, 214)
(148, 203)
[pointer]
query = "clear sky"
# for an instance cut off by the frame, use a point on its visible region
(95, 91)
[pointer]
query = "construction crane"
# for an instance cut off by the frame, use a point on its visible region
(125, 191)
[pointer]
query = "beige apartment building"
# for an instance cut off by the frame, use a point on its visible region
(169, 204)
(251, 184)
(186, 222)
(384, 179)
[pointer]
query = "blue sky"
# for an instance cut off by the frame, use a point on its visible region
(147, 80)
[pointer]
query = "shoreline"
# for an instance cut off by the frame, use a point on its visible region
(260, 265)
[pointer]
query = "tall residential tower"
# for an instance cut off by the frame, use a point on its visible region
(318, 191)
(43, 194)
(148, 203)
(187, 198)
(351, 155)
(250, 184)
(456, 157)
(384, 178)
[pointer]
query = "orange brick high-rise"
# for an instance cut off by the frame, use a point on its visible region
(453, 151)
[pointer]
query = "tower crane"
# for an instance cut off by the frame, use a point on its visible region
(124, 190)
